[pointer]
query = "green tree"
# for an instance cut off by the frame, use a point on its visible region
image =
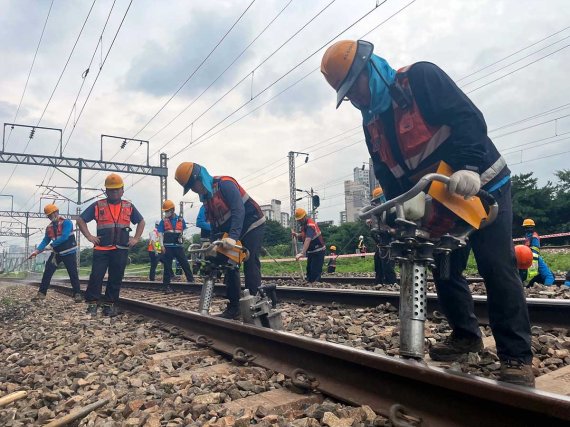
(275, 234)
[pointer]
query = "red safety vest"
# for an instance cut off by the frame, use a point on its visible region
(217, 210)
(113, 231)
(55, 232)
(417, 139)
(173, 234)
(317, 241)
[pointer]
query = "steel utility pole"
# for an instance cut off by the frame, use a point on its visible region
(292, 185)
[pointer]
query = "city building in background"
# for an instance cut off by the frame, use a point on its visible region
(272, 211)
(357, 193)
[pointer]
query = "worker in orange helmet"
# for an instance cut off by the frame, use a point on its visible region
(313, 245)
(229, 209)
(112, 242)
(413, 119)
(171, 234)
(60, 240)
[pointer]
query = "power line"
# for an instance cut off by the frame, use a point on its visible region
(518, 69)
(98, 74)
(30, 72)
(196, 69)
(511, 55)
(55, 87)
(73, 107)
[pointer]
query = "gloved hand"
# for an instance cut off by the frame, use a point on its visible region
(414, 208)
(299, 256)
(228, 243)
(33, 254)
(465, 183)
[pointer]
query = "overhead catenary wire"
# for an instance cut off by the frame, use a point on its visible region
(55, 87)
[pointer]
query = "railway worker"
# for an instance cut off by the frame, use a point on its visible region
(154, 251)
(538, 271)
(171, 232)
(383, 265)
(361, 246)
(532, 267)
(112, 241)
(60, 240)
(331, 266)
(203, 224)
(229, 209)
(313, 245)
(413, 119)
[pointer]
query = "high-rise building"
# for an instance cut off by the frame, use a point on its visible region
(342, 217)
(272, 210)
(356, 196)
(285, 219)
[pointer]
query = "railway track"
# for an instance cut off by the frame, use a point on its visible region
(391, 387)
(544, 312)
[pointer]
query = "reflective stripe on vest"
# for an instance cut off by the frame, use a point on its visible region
(217, 210)
(168, 226)
(63, 247)
(50, 229)
(317, 242)
(110, 229)
(528, 242)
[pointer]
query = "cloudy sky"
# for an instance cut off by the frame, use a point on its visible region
(256, 95)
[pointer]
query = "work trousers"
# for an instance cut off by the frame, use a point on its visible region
(508, 313)
(175, 252)
(70, 262)
(115, 261)
(315, 262)
(154, 258)
(252, 241)
(384, 269)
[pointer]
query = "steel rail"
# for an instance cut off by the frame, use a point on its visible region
(544, 312)
(435, 396)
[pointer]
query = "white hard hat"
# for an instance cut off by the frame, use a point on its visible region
(361, 237)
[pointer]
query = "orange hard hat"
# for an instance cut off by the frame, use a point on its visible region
(343, 62)
(167, 205)
(114, 181)
(377, 192)
(523, 255)
(49, 209)
(186, 174)
(300, 213)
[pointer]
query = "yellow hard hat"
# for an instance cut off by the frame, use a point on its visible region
(300, 213)
(333, 248)
(528, 223)
(167, 205)
(186, 174)
(114, 181)
(377, 192)
(343, 62)
(49, 209)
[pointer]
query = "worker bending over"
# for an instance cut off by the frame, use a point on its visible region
(229, 209)
(59, 239)
(413, 119)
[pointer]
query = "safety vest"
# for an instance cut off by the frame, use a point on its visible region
(332, 259)
(55, 230)
(415, 141)
(173, 234)
(151, 246)
(217, 210)
(528, 242)
(113, 231)
(317, 242)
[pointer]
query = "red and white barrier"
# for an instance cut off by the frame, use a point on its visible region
(546, 236)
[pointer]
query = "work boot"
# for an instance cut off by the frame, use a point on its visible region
(109, 310)
(77, 298)
(231, 312)
(92, 309)
(39, 297)
(515, 372)
(454, 347)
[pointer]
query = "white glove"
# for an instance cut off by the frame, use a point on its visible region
(465, 183)
(414, 209)
(299, 256)
(228, 243)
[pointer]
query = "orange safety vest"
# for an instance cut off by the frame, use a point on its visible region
(173, 234)
(54, 231)
(113, 231)
(417, 139)
(217, 210)
(317, 242)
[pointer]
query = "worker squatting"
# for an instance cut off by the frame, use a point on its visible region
(414, 118)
